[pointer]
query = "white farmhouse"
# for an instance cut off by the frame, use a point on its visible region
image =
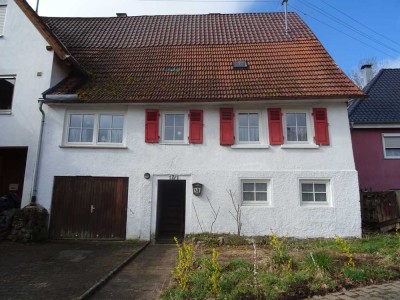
(165, 121)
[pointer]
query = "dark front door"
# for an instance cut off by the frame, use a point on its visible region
(12, 170)
(89, 207)
(170, 210)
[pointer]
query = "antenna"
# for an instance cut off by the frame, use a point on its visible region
(284, 2)
(37, 6)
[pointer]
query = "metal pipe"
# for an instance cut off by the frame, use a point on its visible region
(37, 6)
(285, 2)
(37, 164)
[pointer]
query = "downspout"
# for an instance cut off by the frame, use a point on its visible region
(37, 163)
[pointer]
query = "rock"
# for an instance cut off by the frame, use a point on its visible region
(221, 240)
(30, 224)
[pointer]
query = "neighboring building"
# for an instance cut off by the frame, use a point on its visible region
(27, 68)
(227, 101)
(375, 132)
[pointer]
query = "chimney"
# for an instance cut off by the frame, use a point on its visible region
(122, 15)
(367, 73)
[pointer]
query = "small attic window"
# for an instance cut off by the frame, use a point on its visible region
(173, 69)
(240, 64)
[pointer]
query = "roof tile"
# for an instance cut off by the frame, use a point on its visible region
(128, 56)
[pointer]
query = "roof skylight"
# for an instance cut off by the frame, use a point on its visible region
(240, 64)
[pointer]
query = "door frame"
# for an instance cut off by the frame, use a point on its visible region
(154, 201)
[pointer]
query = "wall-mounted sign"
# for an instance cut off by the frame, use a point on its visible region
(197, 188)
(173, 177)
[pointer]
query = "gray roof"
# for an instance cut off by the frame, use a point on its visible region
(383, 103)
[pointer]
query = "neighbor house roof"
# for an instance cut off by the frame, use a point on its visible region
(383, 103)
(188, 58)
(58, 47)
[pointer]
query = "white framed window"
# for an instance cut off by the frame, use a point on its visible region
(250, 129)
(297, 127)
(7, 85)
(3, 10)
(94, 129)
(80, 128)
(111, 128)
(174, 126)
(315, 192)
(391, 145)
(256, 191)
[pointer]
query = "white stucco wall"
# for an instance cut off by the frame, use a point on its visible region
(23, 54)
(218, 168)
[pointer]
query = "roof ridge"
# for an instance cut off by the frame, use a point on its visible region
(353, 108)
(370, 84)
(176, 15)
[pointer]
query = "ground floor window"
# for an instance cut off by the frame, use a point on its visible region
(255, 191)
(314, 192)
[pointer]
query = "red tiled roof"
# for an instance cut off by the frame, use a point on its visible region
(177, 30)
(128, 56)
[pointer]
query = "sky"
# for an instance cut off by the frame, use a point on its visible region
(350, 30)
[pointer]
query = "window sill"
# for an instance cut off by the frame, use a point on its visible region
(95, 146)
(300, 146)
(177, 144)
(315, 205)
(398, 157)
(256, 204)
(5, 112)
(249, 146)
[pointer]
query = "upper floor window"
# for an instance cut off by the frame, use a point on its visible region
(7, 84)
(95, 129)
(249, 130)
(81, 128)
(297, 127)
(111, 128)
(174, 127)
(3, 9)
(391, 145)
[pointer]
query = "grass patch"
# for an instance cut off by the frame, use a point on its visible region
(285, 268)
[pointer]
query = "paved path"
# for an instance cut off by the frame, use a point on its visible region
(373, 292)
(57, 269)
(144, 277)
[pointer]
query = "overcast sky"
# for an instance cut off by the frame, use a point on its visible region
(351, 30)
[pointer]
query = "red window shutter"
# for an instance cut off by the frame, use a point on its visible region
(321, 126)
(275, 126)
(196, 127)
(152, 116)
(226, 126)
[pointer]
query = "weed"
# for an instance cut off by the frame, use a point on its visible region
(346, 250)
(215, 276)
(184, 267)
(319, 260)
(280, 255)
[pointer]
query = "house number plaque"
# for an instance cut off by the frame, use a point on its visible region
(173, 177)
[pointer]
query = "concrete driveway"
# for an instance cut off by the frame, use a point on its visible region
(58, 269)
(144, 277)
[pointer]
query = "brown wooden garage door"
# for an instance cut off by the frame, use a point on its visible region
(89, 207)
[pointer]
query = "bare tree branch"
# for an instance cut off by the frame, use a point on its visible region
(215, 214)
(238, 211)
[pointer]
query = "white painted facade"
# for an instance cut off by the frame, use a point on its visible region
(23, 55)
(218, 168)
